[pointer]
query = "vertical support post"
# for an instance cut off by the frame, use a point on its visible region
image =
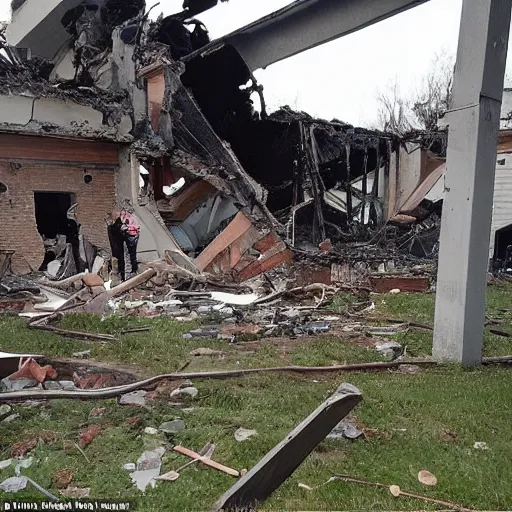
(471, 160)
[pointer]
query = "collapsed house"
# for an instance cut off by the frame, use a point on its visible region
(103, 107)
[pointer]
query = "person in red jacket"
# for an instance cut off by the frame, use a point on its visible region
(130, 227)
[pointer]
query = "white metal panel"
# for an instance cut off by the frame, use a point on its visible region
(502, 203)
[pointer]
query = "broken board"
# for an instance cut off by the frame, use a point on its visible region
(280, 462)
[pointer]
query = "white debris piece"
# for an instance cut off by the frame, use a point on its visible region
(148, 468)
(231, 298)
(169, 191)
(242, 434)
(14, 484)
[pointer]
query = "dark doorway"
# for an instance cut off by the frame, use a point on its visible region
(51, 212)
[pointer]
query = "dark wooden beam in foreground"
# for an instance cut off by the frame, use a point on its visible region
(280, 462)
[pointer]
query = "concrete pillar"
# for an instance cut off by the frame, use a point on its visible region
(473, 129)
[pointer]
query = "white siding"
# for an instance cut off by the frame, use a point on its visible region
(502, 205)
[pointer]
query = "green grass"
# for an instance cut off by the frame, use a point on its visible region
(411, 415)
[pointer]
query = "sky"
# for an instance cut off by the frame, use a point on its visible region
(341, 79)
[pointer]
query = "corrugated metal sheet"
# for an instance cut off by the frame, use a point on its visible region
(502, 205)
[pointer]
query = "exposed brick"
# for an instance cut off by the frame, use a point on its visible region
(18, 230)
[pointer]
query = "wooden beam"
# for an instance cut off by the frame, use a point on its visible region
(280, 462)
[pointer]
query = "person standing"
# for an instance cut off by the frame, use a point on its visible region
(116, 238)
(131, 232)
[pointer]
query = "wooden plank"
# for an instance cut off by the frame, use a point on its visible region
(280, 462)
(48, 149)
(270, 260)
(235, 229)
(206, 462)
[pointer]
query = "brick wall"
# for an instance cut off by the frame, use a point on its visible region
(18, 230)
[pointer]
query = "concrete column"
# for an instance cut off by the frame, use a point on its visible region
(474, 122)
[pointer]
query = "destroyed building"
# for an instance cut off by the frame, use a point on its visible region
(104, 107)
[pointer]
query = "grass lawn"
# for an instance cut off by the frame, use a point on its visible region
(430, 420)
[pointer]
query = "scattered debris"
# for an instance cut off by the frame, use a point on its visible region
(130, 466)
(5, 410)
(396, 491)
(148, 468)
(268, 474)
(480, 445)
(188, 391)
(242, 434)
(427, 478)
(62, 479)
(88, 435)
(346, 429)
(137, 398)
(5, 464)
(206, 352)
(11, 418)
(82, 355)
(172, 427)
(151, 431)
(76, 493)
(389, 349)
(410, 369)
(14, 484)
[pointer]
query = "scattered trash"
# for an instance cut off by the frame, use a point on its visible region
(88, 435)
(206, 352)
(172, 427)
(23, 464)
(345, 429)
(5, 410)
(97, 412)
(82, 355)
(480, 445)
(315, 328)
(11, 418)
(14, 484)
(137, 398)
(389, 349)
(131, 466)
(190, 391)
(18, 384)
(62, 479)
(148, 468)
(427, 478)
(151, 431)
(242, 434)
(76, 493)
(4, 464)
(410, 369)
(394, 291)
(396, 491)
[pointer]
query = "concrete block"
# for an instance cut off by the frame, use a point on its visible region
(67, 114)
(16, 109)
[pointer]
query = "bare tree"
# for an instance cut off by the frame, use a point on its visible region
(422, 107)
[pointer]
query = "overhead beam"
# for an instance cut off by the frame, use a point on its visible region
(471, 161)
(303, 25)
